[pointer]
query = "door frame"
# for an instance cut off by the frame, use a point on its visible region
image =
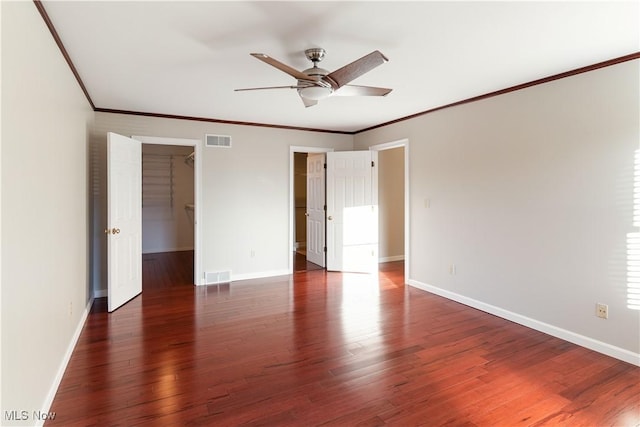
(198, 278)
(292, 204)
(407, 225)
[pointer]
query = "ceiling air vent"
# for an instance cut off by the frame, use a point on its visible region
(218, 141)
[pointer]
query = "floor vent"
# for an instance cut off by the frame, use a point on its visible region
(215, 277)
(218, 141)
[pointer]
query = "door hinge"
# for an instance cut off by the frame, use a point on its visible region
(325, 207)
(324, 249)
(325, 165)
(373, 164)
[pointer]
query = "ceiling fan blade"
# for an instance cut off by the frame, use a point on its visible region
(269, 87)
(282, 67)
(308, 102)
(351, 71)
(351, 90)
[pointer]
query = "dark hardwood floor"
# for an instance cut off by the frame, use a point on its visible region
(300, 263)
(320, 348)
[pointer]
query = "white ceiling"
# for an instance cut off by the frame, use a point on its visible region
(186, 58)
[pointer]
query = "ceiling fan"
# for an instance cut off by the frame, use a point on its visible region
(316, 83)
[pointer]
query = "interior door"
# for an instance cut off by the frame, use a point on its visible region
(352, 211)
(124, 219)
(315, 209)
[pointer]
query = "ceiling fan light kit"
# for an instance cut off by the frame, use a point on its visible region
(315, 93)
(315, 83)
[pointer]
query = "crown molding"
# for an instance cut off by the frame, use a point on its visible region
(56, 37)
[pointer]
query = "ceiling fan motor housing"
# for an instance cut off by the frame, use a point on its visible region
(319, 89)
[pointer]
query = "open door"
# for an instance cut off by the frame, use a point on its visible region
(315, 213)
(124, 220)
(352, 211)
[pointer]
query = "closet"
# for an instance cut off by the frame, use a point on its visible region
(167, 198)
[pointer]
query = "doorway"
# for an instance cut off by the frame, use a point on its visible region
(395, 175)
(302, 259)
(298, 202)
(393, 195)
(168, 228)
(391, 204)
(124, 214)
(171, 226)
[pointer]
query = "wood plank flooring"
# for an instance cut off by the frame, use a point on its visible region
(300, 263)
(320, 348)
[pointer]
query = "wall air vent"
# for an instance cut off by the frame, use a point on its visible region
(215, 277)
(218, 141)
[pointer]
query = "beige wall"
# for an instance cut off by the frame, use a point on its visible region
(391, 202)
(45, 121)
(245, 191)
(531, 197)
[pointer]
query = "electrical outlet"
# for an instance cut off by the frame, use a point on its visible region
(602, 311)
(71, 308)
(452, 269)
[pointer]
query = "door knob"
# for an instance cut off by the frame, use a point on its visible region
(306, 214)
(330, 218)
(115, 230)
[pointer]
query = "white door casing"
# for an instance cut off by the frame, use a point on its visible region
(315, 213)
(352, 211)
(124, 220)
(402, 143)
(198, 274)
(292, 202)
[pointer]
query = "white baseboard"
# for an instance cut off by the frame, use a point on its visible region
(101, 293)
(581, 340)
(249, 276)
(65, 361)
(391, 258)
(260, 275)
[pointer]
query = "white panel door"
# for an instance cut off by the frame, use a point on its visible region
(315, 209)
(352, 212)
(124, 219)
